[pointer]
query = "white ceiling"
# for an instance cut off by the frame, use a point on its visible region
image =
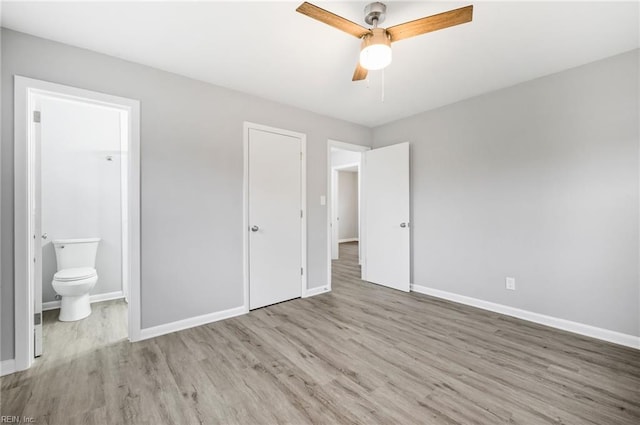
(269, 50)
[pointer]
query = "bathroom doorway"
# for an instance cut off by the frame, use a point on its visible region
(80, 191)
(83, 206)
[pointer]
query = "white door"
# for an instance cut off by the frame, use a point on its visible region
(39, 239)
(385, 182)
(335, 223)
(275, 217)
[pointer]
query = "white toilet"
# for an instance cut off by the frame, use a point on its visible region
(76, 276)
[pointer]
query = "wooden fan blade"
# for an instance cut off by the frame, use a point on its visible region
(360, 73)
(332, 19)
(431, 23)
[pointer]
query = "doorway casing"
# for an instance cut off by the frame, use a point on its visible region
(25, 89)
(335, 201)
(330, 170)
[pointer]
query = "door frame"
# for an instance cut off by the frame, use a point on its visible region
(245, 205)
(353, 148)
(25, 89)
(335, 192)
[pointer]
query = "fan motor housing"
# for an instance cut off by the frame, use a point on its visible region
(375, 12)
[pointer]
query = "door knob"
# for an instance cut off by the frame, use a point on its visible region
(254, 228)
(403, 224)
(45, 236)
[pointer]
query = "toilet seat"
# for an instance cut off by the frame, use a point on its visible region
(70, 275)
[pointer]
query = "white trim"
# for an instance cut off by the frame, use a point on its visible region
(554, 322)
(134, 283)
(344, 166)
(7, 367)
(315, 291)
(191, 322)
(245, 204)
(330, 169)
(124, 198)
(303, 205)
(333, 215)
(107, 296)
(348, 240)
(245, 217)
(53, 305)
(96, 298)
(25, 89)
(346, 146)
(23, 308)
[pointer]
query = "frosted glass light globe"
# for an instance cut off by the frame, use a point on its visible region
(375, 51)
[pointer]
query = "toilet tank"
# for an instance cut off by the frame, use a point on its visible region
(73, 253)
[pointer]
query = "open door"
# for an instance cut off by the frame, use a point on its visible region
(39, 239)
(335, 223)
(385, 181)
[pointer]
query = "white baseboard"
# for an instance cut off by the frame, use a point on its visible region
(191, 322)
(108, 296)
(554, 322)
(316, 291)
(348, 240)
(52, 305)
(7, 367)
(210, 318)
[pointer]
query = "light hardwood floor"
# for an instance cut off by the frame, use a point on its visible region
(360, 354)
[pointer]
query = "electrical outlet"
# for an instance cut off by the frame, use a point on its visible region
(510, 283)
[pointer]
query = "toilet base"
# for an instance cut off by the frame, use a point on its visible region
(74, 308)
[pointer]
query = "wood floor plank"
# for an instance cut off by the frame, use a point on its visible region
(361, 354)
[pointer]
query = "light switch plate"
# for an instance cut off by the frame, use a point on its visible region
(323, 200)
(510, 283)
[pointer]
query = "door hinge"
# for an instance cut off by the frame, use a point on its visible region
(300, 156)
(36, 116)
(301, 271)
(37, 318)
(300, 213)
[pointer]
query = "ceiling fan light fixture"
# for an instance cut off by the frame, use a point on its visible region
(375, 52)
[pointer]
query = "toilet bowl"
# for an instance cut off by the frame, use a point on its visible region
(73, 285)
(76, 276)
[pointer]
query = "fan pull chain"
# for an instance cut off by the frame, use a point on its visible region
(382, 93)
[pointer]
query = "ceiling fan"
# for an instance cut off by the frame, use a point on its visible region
(375, 52)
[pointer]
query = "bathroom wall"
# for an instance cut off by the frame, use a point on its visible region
(347, 205)
(81, 186)
(191, 175)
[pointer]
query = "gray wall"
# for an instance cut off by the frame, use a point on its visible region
(191, 181)
(540, 182)
(347, 204)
